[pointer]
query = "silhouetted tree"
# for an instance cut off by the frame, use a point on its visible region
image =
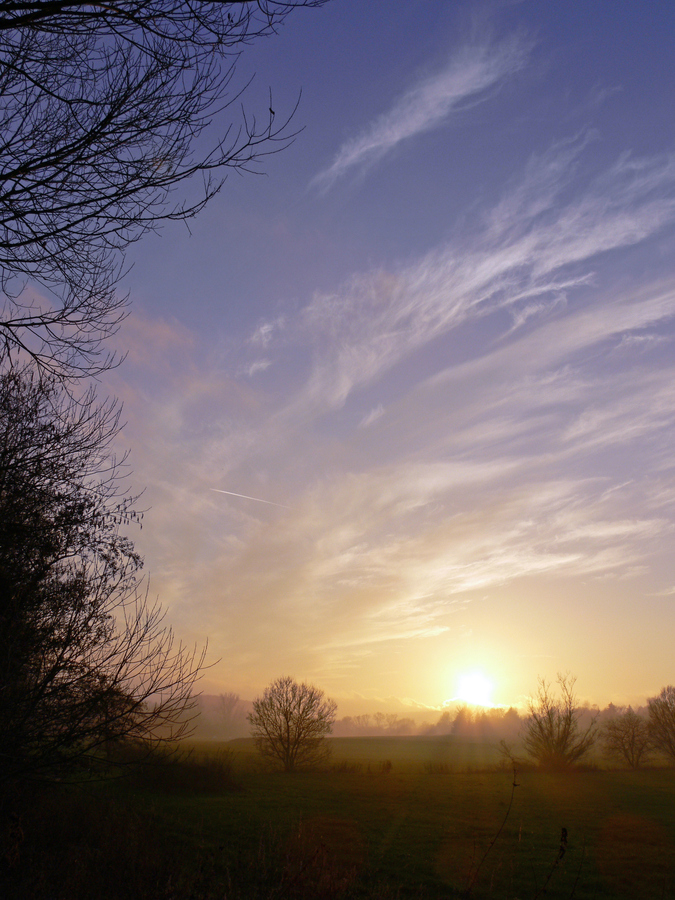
(626, 735)
(380, 723)
(85, 658)
(463, 722)
(662, 721)
(396, 725)
(232, 714)
(444, 724)
(106, 109)
(290, 722)
(511, 723)
(554, 736)
(363, 723)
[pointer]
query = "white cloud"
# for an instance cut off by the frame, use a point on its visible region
(258, 365)
(372, 416)
(265, 332)
(471, 72)
(543, 451)
(524, 256)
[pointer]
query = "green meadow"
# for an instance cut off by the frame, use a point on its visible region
(388, 818)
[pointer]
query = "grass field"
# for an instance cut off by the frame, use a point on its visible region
(407, 753)
(401, 817)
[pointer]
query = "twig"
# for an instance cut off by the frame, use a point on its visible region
(581, 862)
(514, 785)
(561, 853)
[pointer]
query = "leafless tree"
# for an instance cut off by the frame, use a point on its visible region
(232, 715)
(662, 721)
(626, 736)
(105, 110)
(290, 722)
(85, 657)
(554, 736)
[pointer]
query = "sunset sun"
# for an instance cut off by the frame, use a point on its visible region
(475, 688)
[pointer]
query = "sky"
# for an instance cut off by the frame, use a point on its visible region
(403, 406)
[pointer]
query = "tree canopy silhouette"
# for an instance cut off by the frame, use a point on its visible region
(662, 720)
(290, 722)
(85, 659)
(105, 110)
(554, 735)
(626, 736)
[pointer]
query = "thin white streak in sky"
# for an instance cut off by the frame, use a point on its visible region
(246, 497)
(470, 73)
(378, 318)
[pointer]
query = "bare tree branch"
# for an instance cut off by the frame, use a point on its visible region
(662, 721)
(85, 657)
(627, 737)
(103, 109)
(290, 722)
(553, 733)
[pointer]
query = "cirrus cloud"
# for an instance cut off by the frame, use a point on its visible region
(467, 78)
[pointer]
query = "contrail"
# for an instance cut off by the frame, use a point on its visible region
(246, 497)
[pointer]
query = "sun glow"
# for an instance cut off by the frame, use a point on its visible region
(475, 688)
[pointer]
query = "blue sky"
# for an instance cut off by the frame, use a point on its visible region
(436, 337)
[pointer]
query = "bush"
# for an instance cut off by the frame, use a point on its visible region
(185, 772)
(626, 736)
(554, 737)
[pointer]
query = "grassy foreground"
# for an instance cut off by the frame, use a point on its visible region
(391, 818)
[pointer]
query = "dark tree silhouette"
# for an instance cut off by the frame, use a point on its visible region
(662, 721)
(290, 722)
(554, 736)
(106, 109)
(85, 658)
(232, 715)
(626, 736)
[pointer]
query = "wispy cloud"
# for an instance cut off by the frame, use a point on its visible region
(258, 365)
(471, 72)
(372, 416)
(527, 255)
(541, 452)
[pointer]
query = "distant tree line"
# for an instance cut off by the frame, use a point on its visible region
(478, 723)
(291, 721)
(378, 723)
